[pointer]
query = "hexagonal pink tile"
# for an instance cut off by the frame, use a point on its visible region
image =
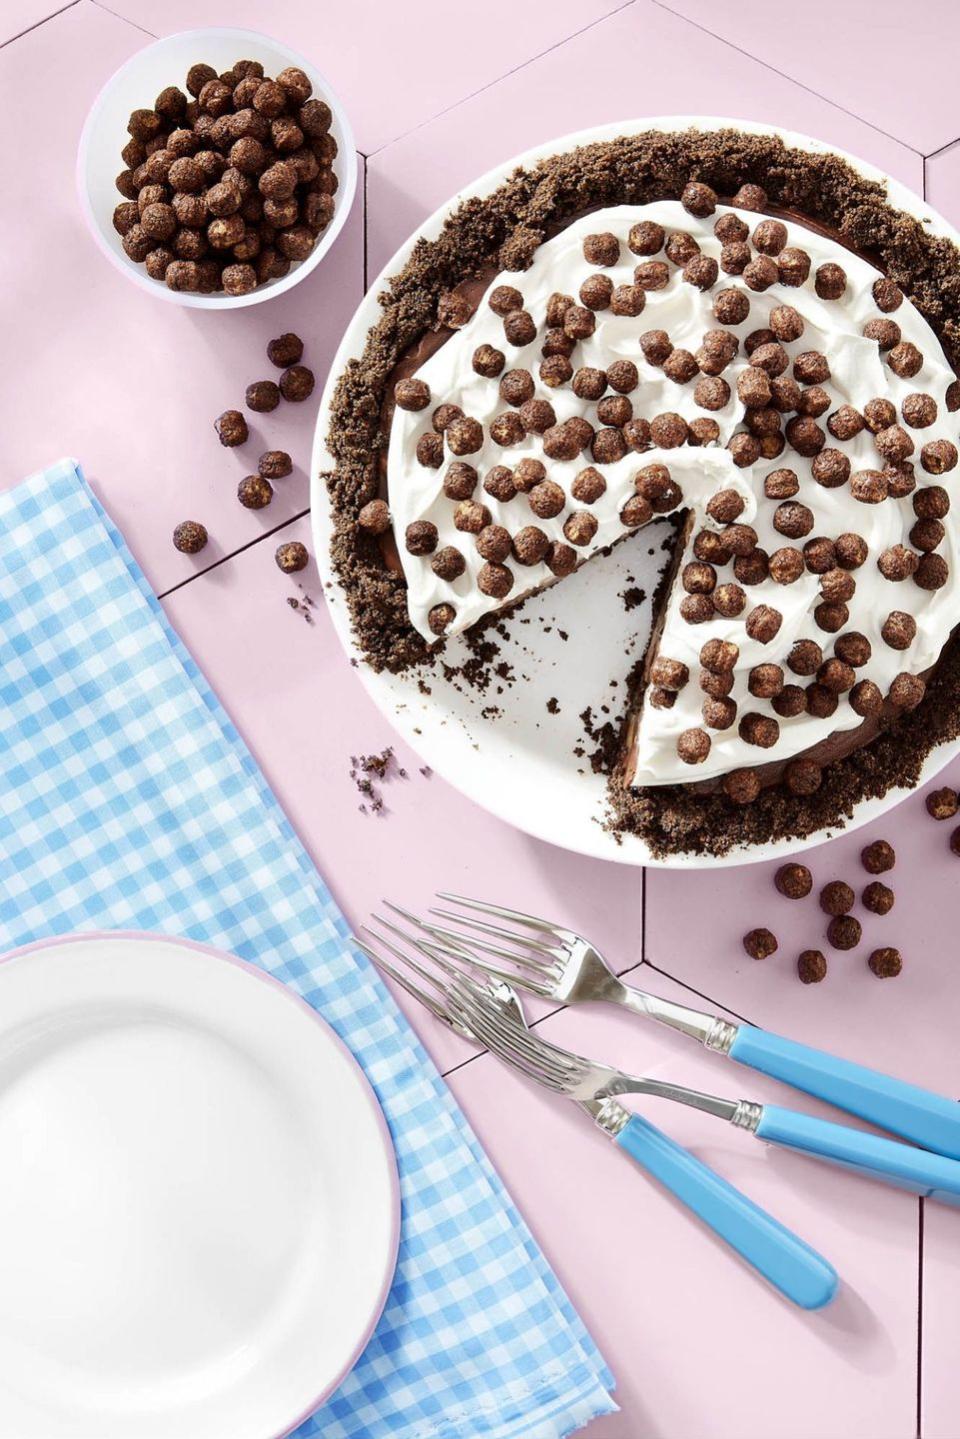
(875, 58)
(623, 67)
(393, 66)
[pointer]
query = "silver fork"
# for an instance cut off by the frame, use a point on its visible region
(492, 1014)
(554, 962)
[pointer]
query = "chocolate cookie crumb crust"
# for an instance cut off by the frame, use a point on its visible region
(503, 231)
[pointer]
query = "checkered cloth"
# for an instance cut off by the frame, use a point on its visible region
(129, 801)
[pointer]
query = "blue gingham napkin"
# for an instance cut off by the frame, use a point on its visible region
(129, 801)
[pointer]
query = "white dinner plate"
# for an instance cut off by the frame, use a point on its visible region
(514, 751)
(199, 1210)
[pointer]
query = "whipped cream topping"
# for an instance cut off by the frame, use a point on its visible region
(858, 374)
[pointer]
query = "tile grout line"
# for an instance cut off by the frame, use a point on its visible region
(225, 559)
(942, 149)
(784, 76)
(481, 89)
(125, 19)
(37, 23)
(366, 268)
(921, 1214)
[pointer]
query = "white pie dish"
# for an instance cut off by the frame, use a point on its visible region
(520, 764)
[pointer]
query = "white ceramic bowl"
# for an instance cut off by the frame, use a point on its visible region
(517, 764)
(136, 85)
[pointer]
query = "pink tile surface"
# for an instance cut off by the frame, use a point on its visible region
(852, 1011)
(943, 183)
(18, 16)
(941, 1323)
(840, 51)
(129, 383)
(131, 386)
(594, 82)
(393, 66)
(287, 685)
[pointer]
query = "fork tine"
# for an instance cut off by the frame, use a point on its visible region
(404, 983)
(495, 929)
(404, 959)
(512, 1043)
(519, 1036)
(528, 920)
(433, 952)
(468, 946)
(456, 964)
(522, 981)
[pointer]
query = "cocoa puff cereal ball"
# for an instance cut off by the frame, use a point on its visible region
(794, 881)
(440, 618)
(190, 537)
(254, 492)
(292, 557)
(374, 517)
(239, 279)
(231, 428)
(262, 396)
(287, 349)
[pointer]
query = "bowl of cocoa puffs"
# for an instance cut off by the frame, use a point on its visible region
(216, 168)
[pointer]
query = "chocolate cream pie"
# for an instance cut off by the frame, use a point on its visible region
(768, 369)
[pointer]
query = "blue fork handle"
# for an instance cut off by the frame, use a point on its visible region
(901, 1165)
(791, 1266)
(925, 1118)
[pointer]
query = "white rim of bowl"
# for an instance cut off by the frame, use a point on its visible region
(346, 173)
(632, 851)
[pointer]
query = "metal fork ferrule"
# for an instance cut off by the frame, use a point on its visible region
(747, 1115)
(721, 1035)
(612, 1117)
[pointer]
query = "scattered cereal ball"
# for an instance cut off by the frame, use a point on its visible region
(811, 966)
(878, 857)
(296, 383)
(190, 537)
(254, 492)
(760, 943)
(287, 349)
(942, 803)
(885, 963)
(878, 898)
(844, 932)
(262, 396)
(231, 428)
(374, 516)
(836, 898)
(275, 465)
(292, 557)
(794, 881)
